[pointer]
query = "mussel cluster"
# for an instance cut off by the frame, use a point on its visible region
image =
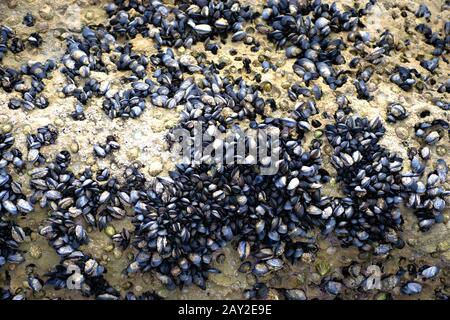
(70, 197)
(181, 222)
(370, 176)
(15, 81)
(187, 218)
(11, 236)
(45, 136)
(195, 21)
(8, 41)
(305, 29)
(97, 198)
(13, 201)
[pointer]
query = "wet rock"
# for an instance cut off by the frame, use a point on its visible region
(46, 12)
